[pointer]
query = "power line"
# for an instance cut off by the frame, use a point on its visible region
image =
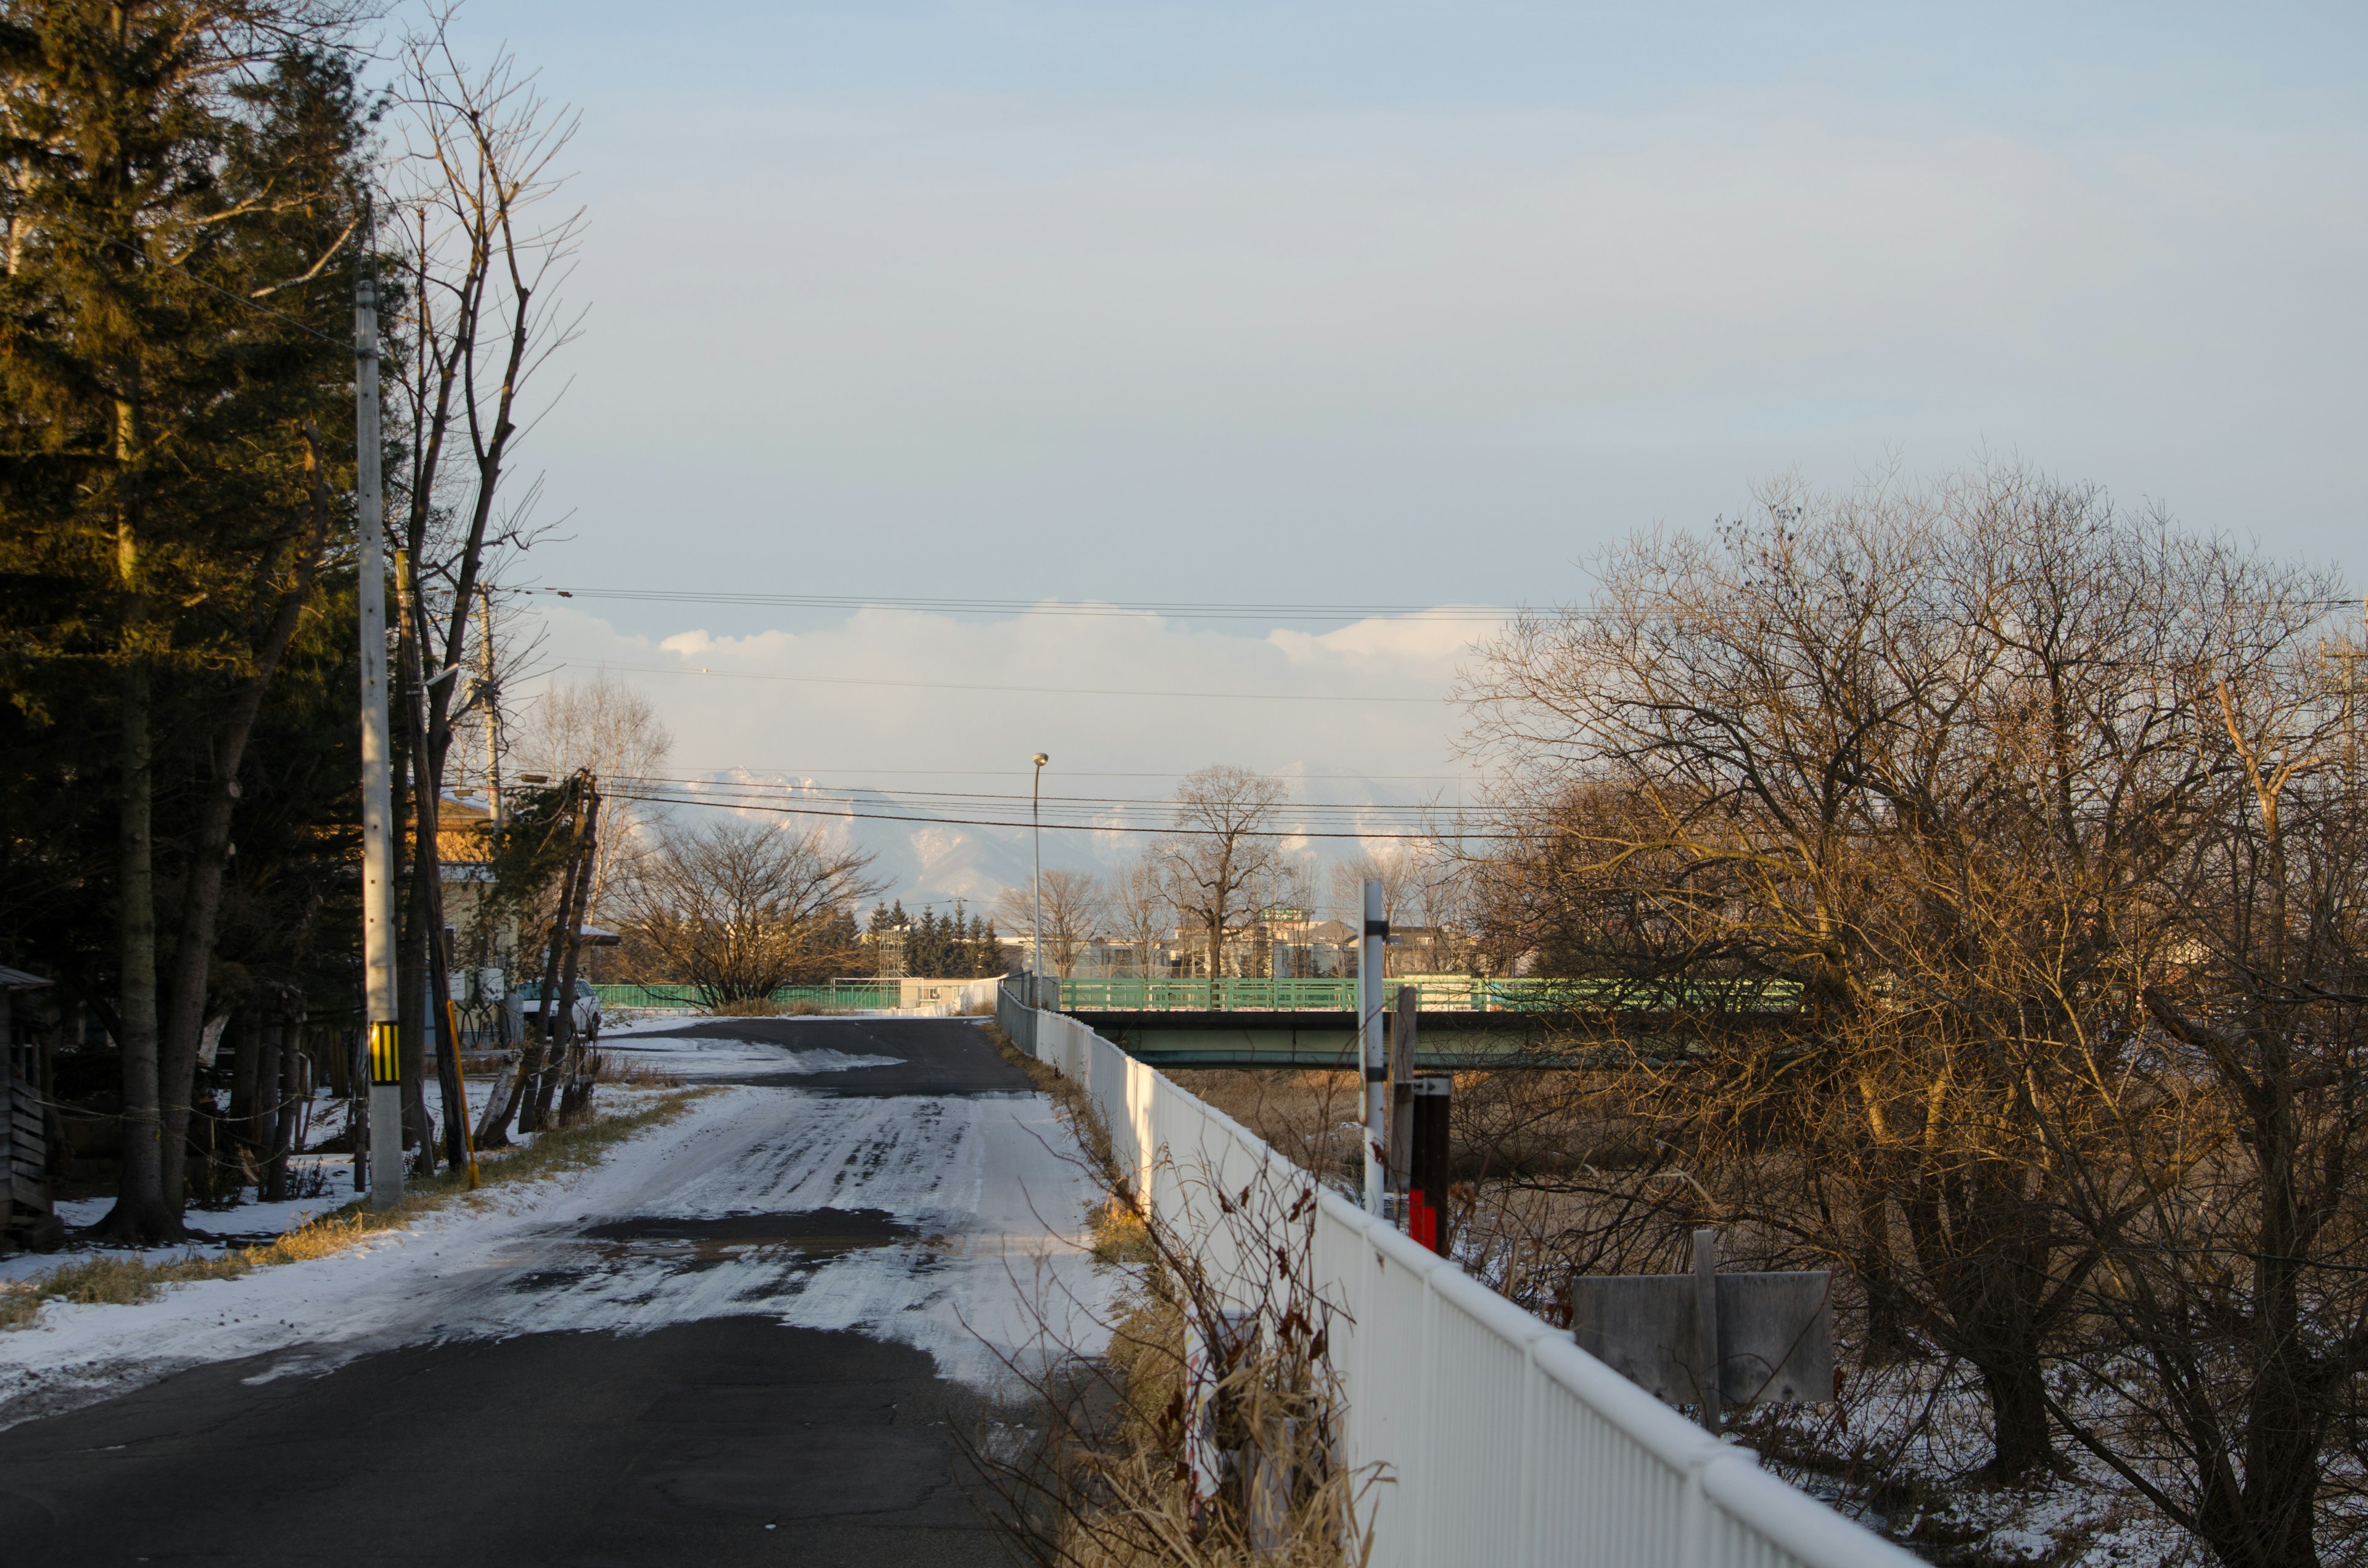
(737, 787)
(1089, 773)
(974, 686)
(847, 813)
(1196, 609)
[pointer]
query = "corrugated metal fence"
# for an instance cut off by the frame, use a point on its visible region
(1501, 1442)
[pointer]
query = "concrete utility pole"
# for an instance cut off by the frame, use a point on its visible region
(1370, 960)
(378, 758)
(1036, 936)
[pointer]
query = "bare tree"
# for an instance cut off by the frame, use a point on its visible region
(738, 909)
(610, 730)
(2224, 1194)
(1396, 867)
(1222, 842)
(1873, 792)
(1140, 912)
(480, 251)
(1073, 908)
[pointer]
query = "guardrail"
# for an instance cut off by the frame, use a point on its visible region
(854, 996)
(1440, 993)
(1499, 1441)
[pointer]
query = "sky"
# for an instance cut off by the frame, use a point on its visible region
(1376, 304)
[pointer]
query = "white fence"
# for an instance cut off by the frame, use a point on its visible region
(1500, 1441)
(945, 998)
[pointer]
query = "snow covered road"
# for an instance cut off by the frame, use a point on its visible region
(859, 1193)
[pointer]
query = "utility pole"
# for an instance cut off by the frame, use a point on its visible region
(378, 808)
(1036, 935)
(1370, 960)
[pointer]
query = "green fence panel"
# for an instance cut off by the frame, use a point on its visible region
(860, 996)
(1440, 993)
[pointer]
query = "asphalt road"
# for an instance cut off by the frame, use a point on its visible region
(704, 1425)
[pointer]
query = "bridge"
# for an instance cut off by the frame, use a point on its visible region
(1468, 1022)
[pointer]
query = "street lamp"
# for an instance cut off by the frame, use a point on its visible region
(1036, 938)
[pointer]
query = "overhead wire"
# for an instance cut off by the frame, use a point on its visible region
(1208, 609)
(1330, 820)
(1091, 773)
(984, 686)
(843, 813)
(1064, 803)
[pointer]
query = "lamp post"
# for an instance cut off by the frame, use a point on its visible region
(1036, 937)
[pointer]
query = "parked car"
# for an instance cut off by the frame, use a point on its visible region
(585, 1015)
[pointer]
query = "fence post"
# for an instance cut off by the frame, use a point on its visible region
(1706, 1326)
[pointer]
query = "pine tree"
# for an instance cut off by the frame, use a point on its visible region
(163, 493)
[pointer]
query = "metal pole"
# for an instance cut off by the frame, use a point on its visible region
(377, 753)
(1377, 1063)
(1036, 935)
(1706, 1326)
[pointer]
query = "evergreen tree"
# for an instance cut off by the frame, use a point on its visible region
(167, 480)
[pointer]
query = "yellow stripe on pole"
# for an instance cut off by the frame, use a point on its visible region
(386, 1054)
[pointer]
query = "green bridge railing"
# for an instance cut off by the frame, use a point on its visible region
(860, 996)
(1440, 993)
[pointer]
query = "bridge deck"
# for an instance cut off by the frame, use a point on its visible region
(1320, 1037)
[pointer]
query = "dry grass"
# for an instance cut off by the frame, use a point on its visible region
(1308, 1116)
(1149, 1453)
(631, 1073)
(110, 1281)
(117, 1280)
(761, 1008)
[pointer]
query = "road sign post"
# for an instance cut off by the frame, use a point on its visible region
(1370, 960)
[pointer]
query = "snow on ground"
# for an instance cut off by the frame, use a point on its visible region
(980, 1253)
(693, 1057)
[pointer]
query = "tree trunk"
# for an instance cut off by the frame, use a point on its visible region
(245, 1042)
(533, 1050)
(1886, 1317)
(2021, 1438)
(266, 1110)
(1995, 1307)
(2284, 1421)
(411, 1024)
(185, 1019)
(410, 962)
(141, 1214)
(201, 903)
(288, 1075)
(560, 1063)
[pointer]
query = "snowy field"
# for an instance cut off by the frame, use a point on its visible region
(963, 1221)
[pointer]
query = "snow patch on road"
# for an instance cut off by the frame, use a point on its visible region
(989, 1264)
(697, 1057)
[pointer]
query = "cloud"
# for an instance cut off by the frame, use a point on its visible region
(874, 701)
(1088, 347)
